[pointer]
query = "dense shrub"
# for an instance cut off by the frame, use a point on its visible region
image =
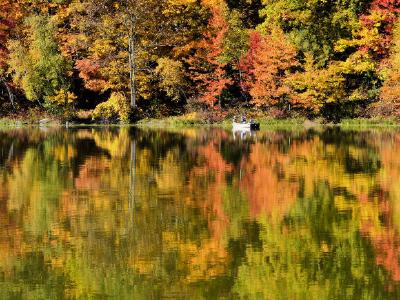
(116, 108)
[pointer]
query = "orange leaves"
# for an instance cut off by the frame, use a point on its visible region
(89, 71)
(7, 22)
(208, 68)
(263, 68)
(266, 65)
(381, 17)
(267, 192)
(272, 60)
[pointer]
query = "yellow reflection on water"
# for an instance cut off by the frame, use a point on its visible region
(125, 213)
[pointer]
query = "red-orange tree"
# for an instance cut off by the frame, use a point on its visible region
(380, 19)
(246, 63)
(267, 63)
(208, 70)
(9, 13)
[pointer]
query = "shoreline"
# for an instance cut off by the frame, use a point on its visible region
(184, 122)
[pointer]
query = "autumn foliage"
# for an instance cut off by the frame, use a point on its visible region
(267, 64)
(389, 102)
(381, 19)
(89, 71)
(8, 18)
(313, 58)
(208, 69)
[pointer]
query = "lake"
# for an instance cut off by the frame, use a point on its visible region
(123, 213)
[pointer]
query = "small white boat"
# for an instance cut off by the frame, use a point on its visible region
(241, 126)
(245, 125)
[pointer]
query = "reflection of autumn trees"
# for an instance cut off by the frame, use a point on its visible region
(300, 212)
(386, 235)
(270, 190)
(71, 198)
(354, 173)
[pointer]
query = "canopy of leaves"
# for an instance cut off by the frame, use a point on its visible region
(167, 52)
(35, 61)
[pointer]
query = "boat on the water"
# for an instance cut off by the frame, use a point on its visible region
(244, 125)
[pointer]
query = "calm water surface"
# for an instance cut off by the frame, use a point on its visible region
(199, 214)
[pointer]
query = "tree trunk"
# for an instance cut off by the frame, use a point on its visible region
(10, 93)
(132, 70)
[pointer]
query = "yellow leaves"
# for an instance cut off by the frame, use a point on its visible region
(115, 107)
(143, 81)
(358, 95)
(171, 75)
(341, 204)
(213, 3)
(142, 266)
(181, 2)
(357, 63)
(102, 47)
(325, 247)
(377, 18)
(345, 18)
(304, 16)
(115, 145)
(364, 212)
(177, 6)
(363, 36)
(191, 116)
(315, 87)
(36, 62)
(169, 178)
(63, 97)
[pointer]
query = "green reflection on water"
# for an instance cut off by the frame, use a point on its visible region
(199, 214)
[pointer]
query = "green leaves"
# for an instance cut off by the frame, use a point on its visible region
(313, 26)
(155, 49)
(35, 61)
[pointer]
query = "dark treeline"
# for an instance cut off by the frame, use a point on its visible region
(282, 58)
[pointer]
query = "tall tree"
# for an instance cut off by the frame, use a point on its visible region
(314, 26)
(208, 68)
(314, 88)
(235, 46)
(126, 39)
(389, 103)
(36, 63)
(272, 58)
(9, 13)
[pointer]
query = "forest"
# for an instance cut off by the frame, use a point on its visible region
(131, 59)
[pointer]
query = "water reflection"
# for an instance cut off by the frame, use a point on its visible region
(193, 214)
